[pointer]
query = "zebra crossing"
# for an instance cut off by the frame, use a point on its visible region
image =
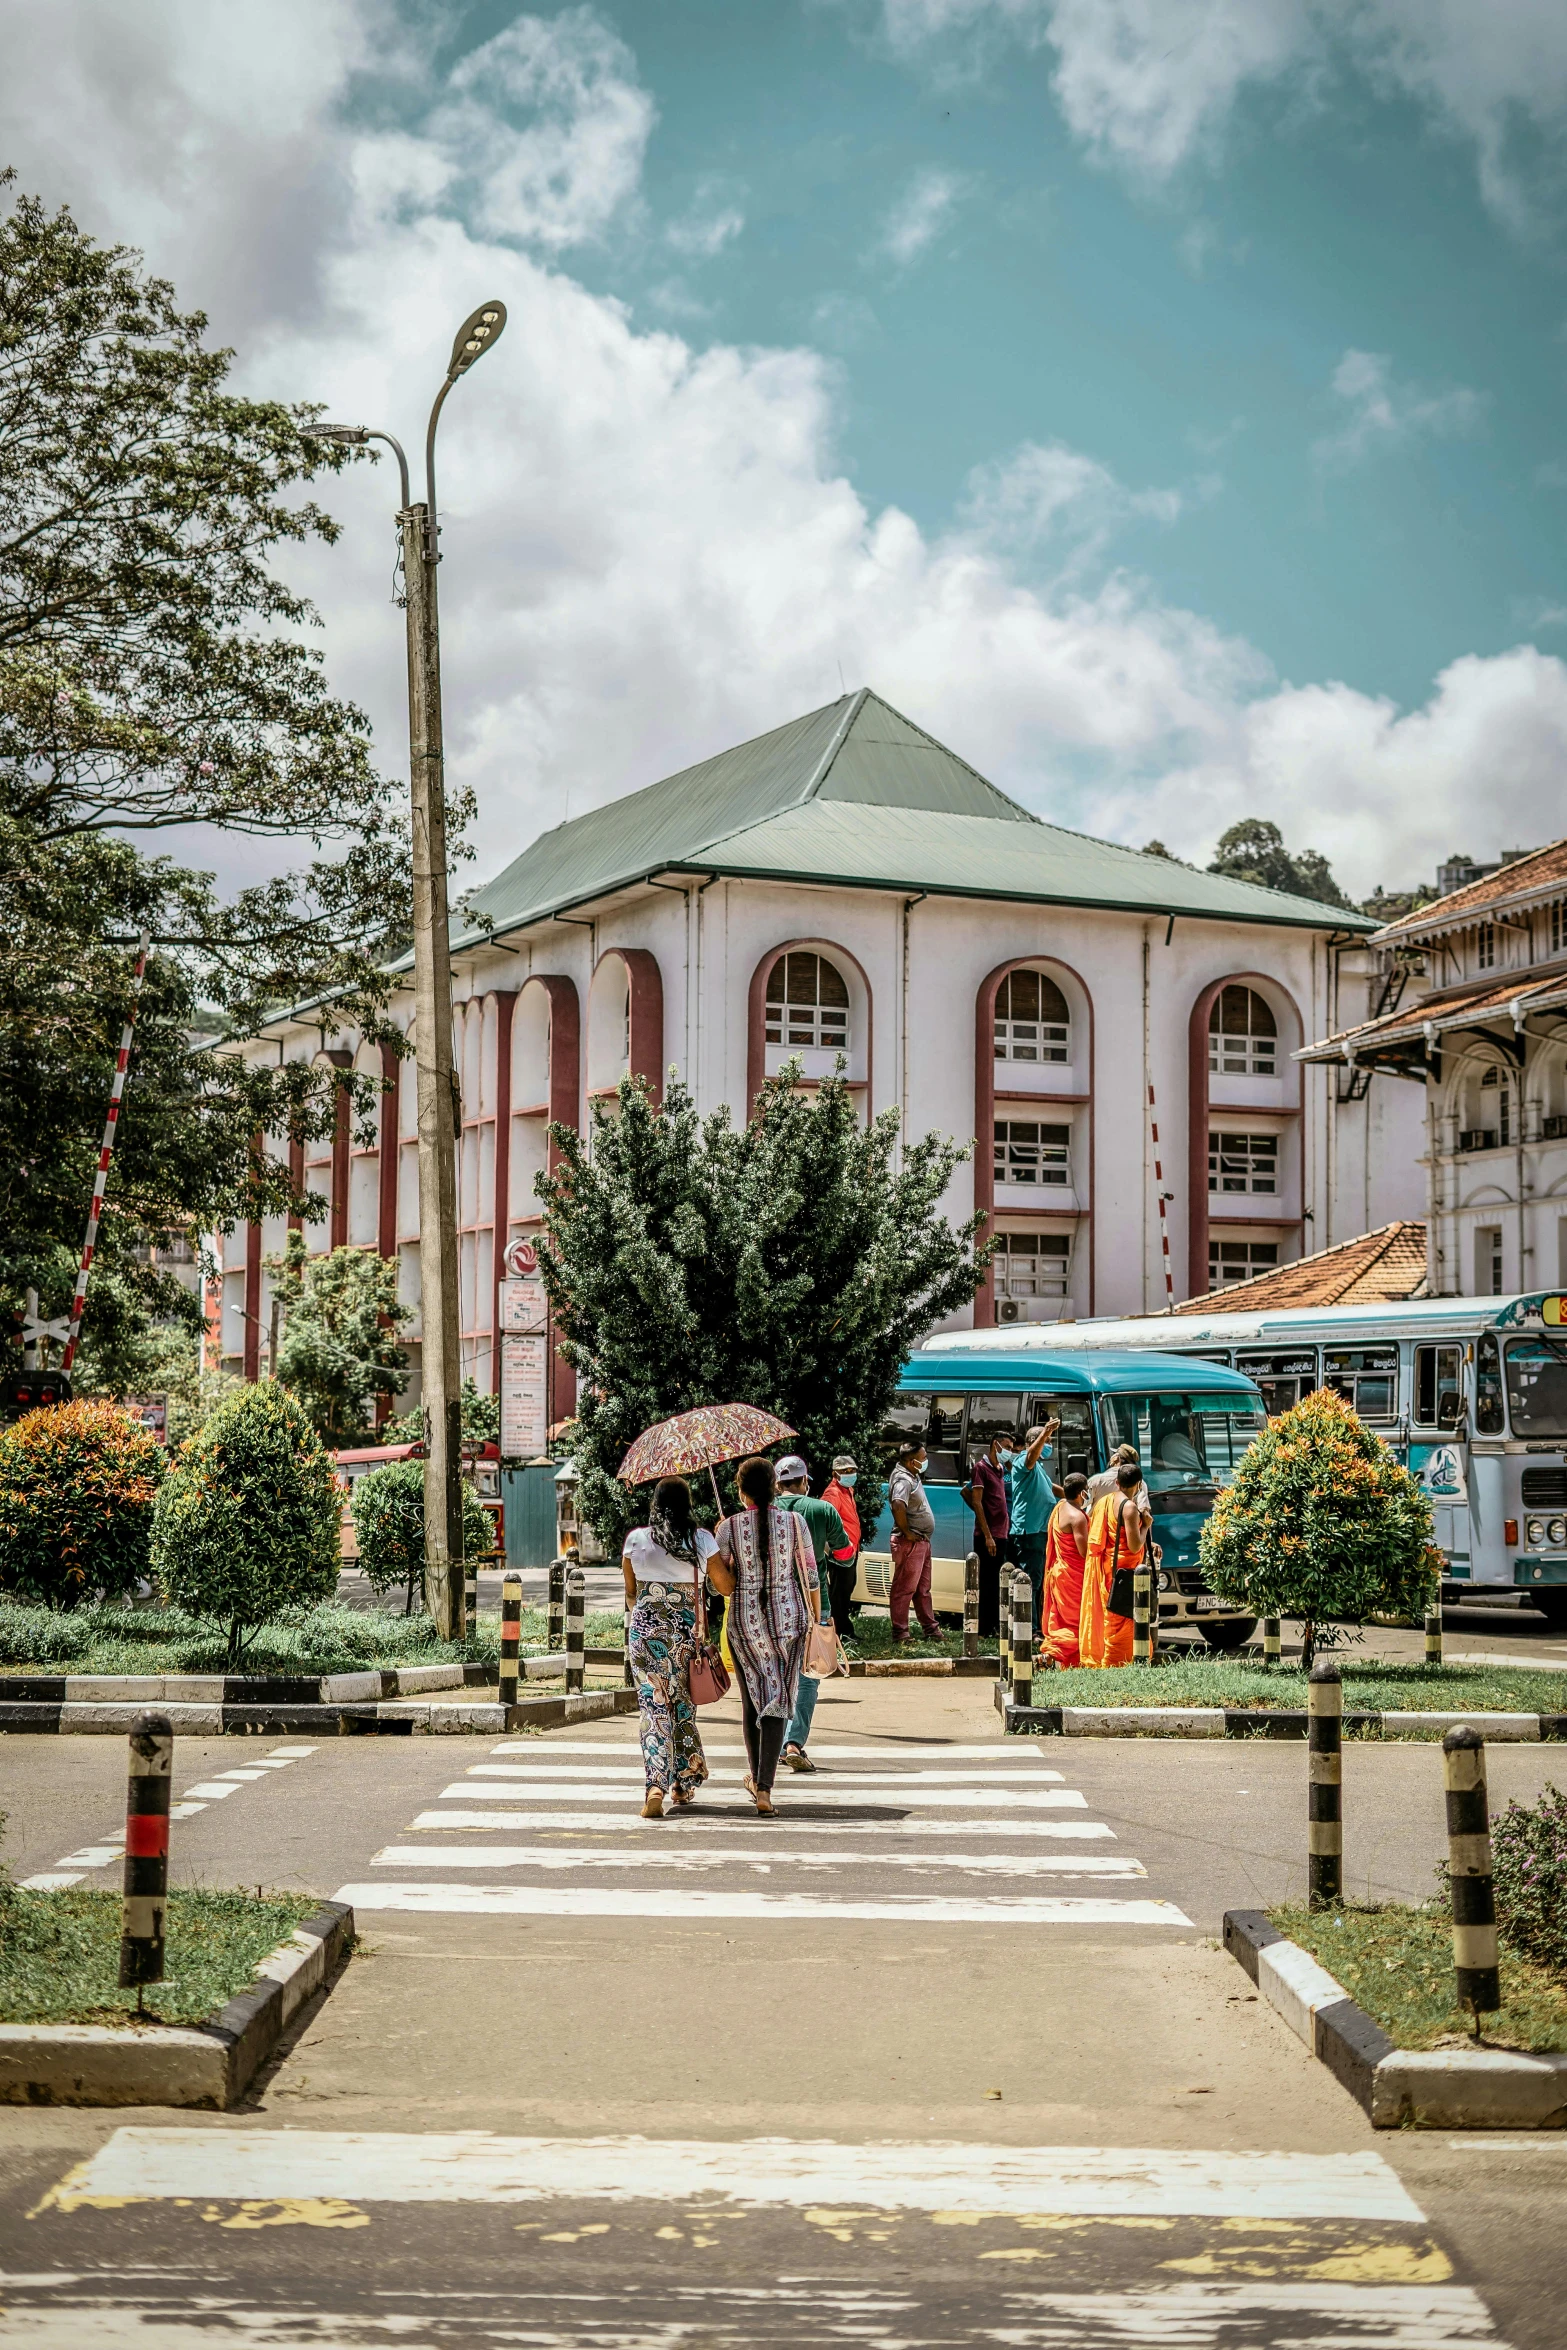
(917, 1832)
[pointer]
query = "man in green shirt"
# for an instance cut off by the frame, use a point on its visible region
(830, 1541)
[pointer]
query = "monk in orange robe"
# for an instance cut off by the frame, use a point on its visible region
(1117, 1532)
(1066, 1551)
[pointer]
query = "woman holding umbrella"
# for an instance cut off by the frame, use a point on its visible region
(765, 1564)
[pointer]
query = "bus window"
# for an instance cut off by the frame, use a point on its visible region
(1073, 1441)
(1284, 1379)
(1226, 1431)
(1439, 1386)
(1366, 1377)
(939, 1420)
(1162, 1429)
(1537, 1386)
(992, 1415)
(1488, 1386)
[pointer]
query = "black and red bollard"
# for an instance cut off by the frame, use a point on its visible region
(146, 1853)
(511, 1638)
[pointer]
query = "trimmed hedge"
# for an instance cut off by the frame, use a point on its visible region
(78, 1482)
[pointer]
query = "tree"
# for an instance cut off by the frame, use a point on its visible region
(1322, 1523)
(388, 1513)
(245, 1527)
(481, 1420)
(339, 1349)
(78, 1483)
(792, 1264)
(154, 673)
(1254, 850)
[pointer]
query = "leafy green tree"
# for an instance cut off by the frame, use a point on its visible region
(1322, 1523)
(155, 673)
(481, 1420)
(1254, 850)
(791, 1264)
(245, 1527)
(78, 1483)
(388, 1515)
(339, 1349)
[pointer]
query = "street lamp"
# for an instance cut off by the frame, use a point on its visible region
(441, 1377)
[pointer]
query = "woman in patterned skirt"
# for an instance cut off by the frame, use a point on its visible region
(766, 1569)
(661, 1562)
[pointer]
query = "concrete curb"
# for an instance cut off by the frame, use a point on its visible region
(211, 2063)
(230, 1689)
(1202, 1721)
(1438, 2088)
(385, 1718)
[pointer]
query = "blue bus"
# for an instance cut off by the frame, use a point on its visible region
(1190, 1422)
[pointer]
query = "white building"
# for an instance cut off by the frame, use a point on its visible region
(1472, 1016)
(845, 884)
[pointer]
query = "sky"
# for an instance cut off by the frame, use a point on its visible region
(1159, 400)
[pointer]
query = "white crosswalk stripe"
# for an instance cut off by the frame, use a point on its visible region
(839, 1847)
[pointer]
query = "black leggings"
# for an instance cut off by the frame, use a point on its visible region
(764, 1737)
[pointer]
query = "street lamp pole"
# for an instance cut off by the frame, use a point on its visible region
(434, 1076)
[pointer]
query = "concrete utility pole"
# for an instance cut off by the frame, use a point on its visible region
(434, 1077)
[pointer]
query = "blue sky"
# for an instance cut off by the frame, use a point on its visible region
(1161, 400)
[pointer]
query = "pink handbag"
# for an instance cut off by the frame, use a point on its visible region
(707, 1677)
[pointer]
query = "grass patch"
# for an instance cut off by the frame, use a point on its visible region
(872, 1638)
(1371, 1685)
(60, 1953)
(1397, 1964)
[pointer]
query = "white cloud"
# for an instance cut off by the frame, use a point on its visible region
(650, 549)
(920, 214)
(713, 220)
(1381, 413)
(1149, 85)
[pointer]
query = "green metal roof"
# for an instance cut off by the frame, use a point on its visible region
(856, 794)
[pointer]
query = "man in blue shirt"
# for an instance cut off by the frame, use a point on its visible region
(1033, 1496)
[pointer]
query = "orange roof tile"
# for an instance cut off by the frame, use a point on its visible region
(1377, 1268)
(1536, 871)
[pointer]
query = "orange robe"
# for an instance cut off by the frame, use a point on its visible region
(1103, 1638)
(1064, 1559)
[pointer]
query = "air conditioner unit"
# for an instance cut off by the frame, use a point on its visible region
(1477, 1138)
(1034, 1309)
(1009, 1309)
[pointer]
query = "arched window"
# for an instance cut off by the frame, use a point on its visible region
(1243, 1036)
(1032, 1021)
(807, 1002)
(1490, 1105)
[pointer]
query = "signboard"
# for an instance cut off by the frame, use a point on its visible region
(523, 1307)
(153, 1413)
(524, 1337)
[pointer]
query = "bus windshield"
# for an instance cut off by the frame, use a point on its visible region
(1537, 1385)
(1183, 1440)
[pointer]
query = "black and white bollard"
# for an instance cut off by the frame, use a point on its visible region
(1003, 1625)
(470, 1600)
(576, 1589)
(1433, 1635)
(1476, 1960)
(1325, 1800)
(555, 1626)
(146, 1853)
(1270, 1640)
(971, 1604)
(1022, 1640)
(1144, 1620)
(511, 1638)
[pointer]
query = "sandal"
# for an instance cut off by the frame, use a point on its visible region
(797, 1759)
(653, 1804)
(764, 1806)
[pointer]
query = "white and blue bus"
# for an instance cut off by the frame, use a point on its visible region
(1190, 1422)
(1471, 1392)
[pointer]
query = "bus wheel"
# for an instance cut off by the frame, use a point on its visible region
(1231, 1635)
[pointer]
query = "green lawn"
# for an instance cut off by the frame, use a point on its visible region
(1371, 1685)
(1398, 1965)
(60, 1953)
(329, 1640)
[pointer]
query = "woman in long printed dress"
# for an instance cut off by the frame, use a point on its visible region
(661, 1562)
(766, 1569)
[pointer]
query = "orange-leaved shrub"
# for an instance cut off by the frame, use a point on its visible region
(77, 1486)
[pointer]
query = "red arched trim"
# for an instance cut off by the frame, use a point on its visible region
(386, 1165)
(985, 1114)
(500, 1177)
(337, 1219)
(250, 1342)
(647, 1015)
(756, 1017)
(565, 1109)
(1197, 1281)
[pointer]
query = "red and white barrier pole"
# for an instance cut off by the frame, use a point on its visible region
(1164, 1221)
(104, 1156)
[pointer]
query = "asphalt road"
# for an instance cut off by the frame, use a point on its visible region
(545, 2102)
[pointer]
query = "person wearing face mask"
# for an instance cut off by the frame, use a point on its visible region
(841, 1575)
(988, 1498)
(913, 1524)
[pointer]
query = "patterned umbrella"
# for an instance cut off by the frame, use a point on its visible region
(700, 1439)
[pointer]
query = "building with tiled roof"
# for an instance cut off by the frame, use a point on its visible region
(1473, 1010)
(1376, 1268)
(846, 885)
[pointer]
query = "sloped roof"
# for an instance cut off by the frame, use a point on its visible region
(855, 794)
(1378, 1268)
(1469, 1003)
(1540, 870)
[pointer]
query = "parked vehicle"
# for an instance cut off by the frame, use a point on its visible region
(1190, 1423)
(1470, 1392)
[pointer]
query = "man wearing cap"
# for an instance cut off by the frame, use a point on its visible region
(832, 1546)
(840, 1492)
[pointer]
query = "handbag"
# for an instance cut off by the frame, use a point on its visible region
(1121, 1599)
(823, 1650)
(707, 1679)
